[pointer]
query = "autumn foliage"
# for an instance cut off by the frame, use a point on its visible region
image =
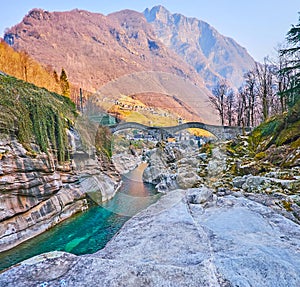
(22, 66)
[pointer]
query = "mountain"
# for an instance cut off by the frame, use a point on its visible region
(213, 55)
(96, 50)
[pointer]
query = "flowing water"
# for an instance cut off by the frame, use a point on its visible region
(89, 231)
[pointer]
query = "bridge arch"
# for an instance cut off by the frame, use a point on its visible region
(221, 132)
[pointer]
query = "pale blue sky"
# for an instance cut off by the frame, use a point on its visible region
(257, 25)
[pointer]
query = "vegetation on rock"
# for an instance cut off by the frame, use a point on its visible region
(278, 131)
(35, 115)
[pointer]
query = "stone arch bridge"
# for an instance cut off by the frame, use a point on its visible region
(220, 132)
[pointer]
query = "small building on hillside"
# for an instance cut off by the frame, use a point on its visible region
(107, 120)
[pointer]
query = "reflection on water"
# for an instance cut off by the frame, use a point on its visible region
(135, 195)
(89, 231)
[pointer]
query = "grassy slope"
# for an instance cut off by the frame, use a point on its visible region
(34, 114)
(274, 143)
(279, 130)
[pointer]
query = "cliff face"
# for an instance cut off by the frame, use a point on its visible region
(34, 194)
(43, 180)
(213, 55)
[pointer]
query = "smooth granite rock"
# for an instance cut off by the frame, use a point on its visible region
(37, 192)
(125, 162)
(169, 170)
(199, 195)
(233, 242)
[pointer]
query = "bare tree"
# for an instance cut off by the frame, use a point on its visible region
(268, 89)
(246, 101)
(64, 83)
(218, 99)
(250, 97)
(229, 107)
(25, 64)
(240, 106)
(264, 74)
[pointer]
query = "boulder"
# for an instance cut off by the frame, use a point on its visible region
(166, 182)
(239, 181)
(152, 174)
(199, 195)
(255, 181)
(202, 157)
(187, 177)
(125, 162)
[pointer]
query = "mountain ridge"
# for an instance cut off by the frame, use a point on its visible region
(111, 27)
(95, 49)
(213, 55)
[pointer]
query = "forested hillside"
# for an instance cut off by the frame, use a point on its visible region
(35, 115)
(22, 66)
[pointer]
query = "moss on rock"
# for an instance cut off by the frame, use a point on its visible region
(278, 139)
(289, 134)
(34, 114)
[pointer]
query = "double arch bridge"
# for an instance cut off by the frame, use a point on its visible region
(220, 132)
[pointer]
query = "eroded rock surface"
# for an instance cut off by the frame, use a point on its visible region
(36, 192)
(224, 241)
(172, 167)
(125, 162)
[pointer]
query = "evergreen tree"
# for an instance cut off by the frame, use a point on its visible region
(292, 69)
(64, 84)
(55, 76)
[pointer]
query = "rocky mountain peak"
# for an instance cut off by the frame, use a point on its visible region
(163, 15)
(38, 14)
(213, 55)
(157, 12)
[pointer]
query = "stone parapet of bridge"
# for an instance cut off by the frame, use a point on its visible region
(220, 132)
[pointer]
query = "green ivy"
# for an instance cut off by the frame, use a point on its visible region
(35, 115)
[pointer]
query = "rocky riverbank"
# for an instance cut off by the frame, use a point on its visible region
(263, 166)
(37, 192)
(50, 158)
(229, 217)
(226, 172)
(222, 228)
(188, 238)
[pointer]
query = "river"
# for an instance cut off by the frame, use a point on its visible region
(89, 231)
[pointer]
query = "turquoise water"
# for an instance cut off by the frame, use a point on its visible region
(88, 231)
